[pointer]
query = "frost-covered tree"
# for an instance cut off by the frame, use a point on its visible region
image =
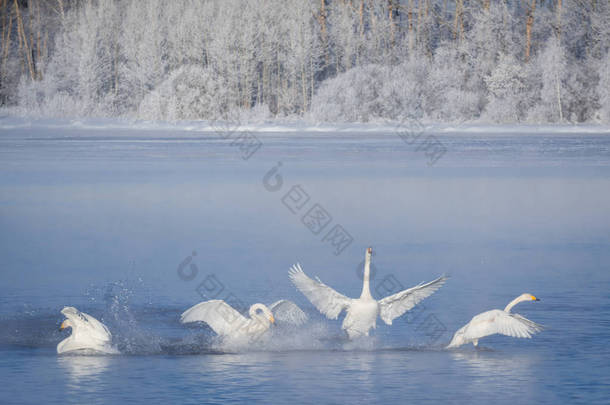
(143, 50)
(189, 92)
(352, 96)
(346, 37)
(447, 98)
(505, 84)
(80, 75)
(493, 37)
(603, 90)
(551, 64)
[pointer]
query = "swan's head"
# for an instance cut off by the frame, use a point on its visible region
(528, 297)
(522, 298)
(369, 252)
(66, 324)
(262, 313)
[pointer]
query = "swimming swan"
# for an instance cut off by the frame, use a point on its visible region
(497, 322)
(88, 334)
(361, 312)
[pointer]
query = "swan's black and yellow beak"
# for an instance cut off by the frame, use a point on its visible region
(369, 250)
(63, 325)
(272, 319)
(535, 298)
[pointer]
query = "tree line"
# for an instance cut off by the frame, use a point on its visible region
(325, 60)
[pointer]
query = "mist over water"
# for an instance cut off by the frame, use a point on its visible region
(103, 220)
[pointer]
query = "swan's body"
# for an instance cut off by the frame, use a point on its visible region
(361, 317)
(497, 321)
(229, 323)
(362, 312)
(88, 334)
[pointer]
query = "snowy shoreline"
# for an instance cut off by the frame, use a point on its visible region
(275, 127)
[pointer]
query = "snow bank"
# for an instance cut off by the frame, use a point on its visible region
(179, 128)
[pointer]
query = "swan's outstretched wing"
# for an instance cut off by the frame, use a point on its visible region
(87, 327)
(221, 317)
(288, 311)
(324, 298)
(497, 321)
(395, 305)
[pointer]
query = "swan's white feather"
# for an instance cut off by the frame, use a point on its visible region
(325, 299)
(219, 315)
(395, 305)
(288, 311)
(86, 325)
(497, 321)
(87, 334)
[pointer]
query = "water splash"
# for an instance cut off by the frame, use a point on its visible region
(143, 327)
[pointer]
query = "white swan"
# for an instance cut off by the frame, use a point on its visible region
(361, 312)
(497, 321)
(229, 323)
(88, 334)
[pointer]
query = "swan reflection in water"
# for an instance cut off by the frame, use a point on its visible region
(84, 372)
(489, 368)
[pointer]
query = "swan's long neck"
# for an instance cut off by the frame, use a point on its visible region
(513, 303)
(260, 317)
(252, 310)
(366, 291)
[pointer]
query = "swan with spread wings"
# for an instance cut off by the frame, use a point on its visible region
(361, 312)
(497, 321)
(228, 323)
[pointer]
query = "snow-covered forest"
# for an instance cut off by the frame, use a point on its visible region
(505, 61)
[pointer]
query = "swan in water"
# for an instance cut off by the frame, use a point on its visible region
(88, 334)
(361, 312)
(497, 321)
(227, 322)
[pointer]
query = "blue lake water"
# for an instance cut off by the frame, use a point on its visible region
(107, 220)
